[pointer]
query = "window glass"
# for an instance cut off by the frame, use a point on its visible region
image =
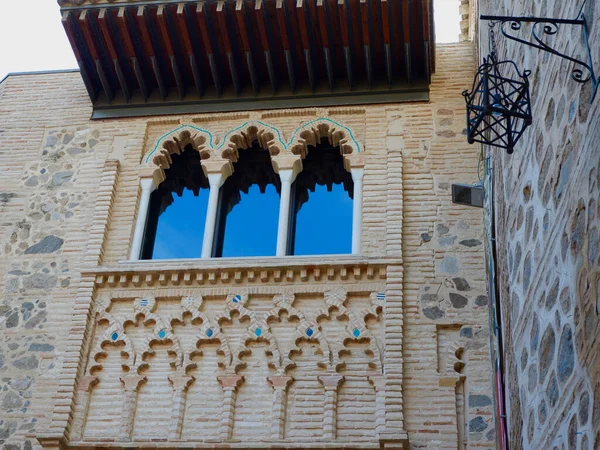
(249, 207)
(177, 213)
(321, 222)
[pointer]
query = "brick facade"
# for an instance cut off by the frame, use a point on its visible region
(98, 351)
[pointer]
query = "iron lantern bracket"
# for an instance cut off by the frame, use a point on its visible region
(545, 27)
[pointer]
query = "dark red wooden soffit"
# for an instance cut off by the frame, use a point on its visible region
(253, 51)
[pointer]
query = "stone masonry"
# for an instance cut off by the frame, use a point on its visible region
(388, 347)
(547, 197)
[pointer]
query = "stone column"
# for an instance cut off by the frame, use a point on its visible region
(215, 180)
(280, 385)
(180, 385)
(357, 206)
(84, 391)
(148, 187)
(378, 382)
(287, 177)
(229, 385)
(131, 382)
(330, 384)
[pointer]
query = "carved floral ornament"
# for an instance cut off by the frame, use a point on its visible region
(218, 155)
(336, 333)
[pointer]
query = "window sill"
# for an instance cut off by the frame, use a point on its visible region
(252, 262)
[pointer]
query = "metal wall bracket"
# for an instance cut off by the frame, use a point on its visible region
(543, 28)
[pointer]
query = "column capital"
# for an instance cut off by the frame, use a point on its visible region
(331, 382)
(181, 381)
(291, 162)
(230, 383)
(280, 382)
(131, 381)
(219, 166)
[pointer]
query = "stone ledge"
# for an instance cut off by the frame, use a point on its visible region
(241, 270)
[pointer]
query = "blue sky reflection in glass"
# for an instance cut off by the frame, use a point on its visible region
(181, 226)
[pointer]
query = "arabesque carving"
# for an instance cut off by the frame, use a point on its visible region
(284, 152)
(159, 323)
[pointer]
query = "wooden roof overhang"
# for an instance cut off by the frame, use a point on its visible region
(166, 57)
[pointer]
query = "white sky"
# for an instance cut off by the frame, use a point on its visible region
(32, 37)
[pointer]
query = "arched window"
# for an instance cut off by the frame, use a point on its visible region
(249, 207)
(321, 209)
(177, 210)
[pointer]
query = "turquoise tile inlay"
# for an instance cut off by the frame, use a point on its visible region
(309, 332)
(115, 336)
(209, 332)
(356, 332)
(162, 334)
(258, 332)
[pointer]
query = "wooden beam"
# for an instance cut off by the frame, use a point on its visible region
(305, 27)
(163, 27)
(207, 30)
(185, 37)
(241, 15)
(141, 20)
(85, 25)
(325, 29)
(365, 16)
(123, 25)
(103, 20)
(267, 41)
(406, 28)
(343, 18)
(225, 36)
(67, 21)
(387, 40)
(287, 47)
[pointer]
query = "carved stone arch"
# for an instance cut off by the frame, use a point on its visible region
(358, 332)
(161, 335)
(337, 135)
(113, 335)
(210, 332)
(175, 141)
(310, 332)
(259, 332)
(243, 136)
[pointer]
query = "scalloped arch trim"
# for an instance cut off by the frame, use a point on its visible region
(268, 136)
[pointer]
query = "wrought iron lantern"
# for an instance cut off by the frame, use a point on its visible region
(498, 107)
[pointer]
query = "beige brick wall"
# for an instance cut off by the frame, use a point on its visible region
(547, 209)
(417, 375)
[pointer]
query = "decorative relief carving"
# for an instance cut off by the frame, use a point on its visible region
(217, 155)
(239, 340)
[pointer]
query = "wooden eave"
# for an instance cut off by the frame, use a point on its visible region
(153, 57)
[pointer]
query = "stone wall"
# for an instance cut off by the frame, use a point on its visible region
(547, 208)
(92, 342)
